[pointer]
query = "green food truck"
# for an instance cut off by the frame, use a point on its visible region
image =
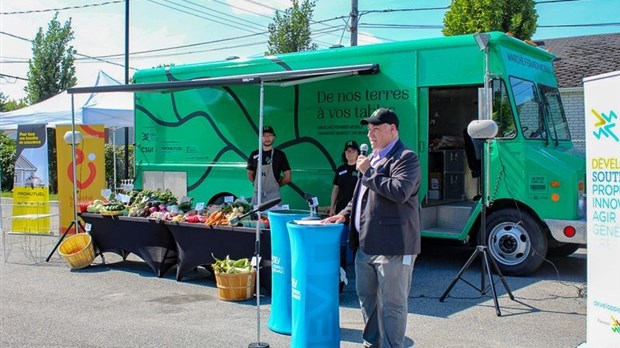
(197, 124)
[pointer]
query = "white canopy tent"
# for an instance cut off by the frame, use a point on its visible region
(110, 109)
(113, 110)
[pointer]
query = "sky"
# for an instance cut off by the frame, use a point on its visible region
(192, 31)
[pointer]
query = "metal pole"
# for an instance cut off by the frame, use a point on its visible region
(2, 220)
(259, 194)
(486, 84)
(126, 41)
(114, 157)
(73, 165)
(126, 82)
(354, 20)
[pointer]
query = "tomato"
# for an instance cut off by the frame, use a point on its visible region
(83, 206)
(192, 219)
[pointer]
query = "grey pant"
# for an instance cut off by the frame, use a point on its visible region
(382, 284)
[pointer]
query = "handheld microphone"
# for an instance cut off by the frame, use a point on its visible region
(363, 149)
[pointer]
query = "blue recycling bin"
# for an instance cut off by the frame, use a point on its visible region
(315, 274)
(280, 318)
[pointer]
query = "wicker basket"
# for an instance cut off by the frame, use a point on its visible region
(77, 250)
(111, 213)
(235, 287)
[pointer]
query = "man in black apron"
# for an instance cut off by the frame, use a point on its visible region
(276, 169)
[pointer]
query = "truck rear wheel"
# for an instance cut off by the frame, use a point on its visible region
(516, 241)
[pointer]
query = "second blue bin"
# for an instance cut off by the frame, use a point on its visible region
(315, 272)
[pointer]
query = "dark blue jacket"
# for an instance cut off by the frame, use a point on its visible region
(390, 216)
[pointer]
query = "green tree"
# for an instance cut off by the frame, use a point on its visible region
(7, 161)
(290, 30)
(120, 164)
(10, 104)
(518, 17)
(52, 160)
(51, 69)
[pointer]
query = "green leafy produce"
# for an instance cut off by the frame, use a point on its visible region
(229, 266)
(186, 206)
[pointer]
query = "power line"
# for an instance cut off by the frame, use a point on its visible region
(554, 1)
(199, 51)
(196, 15)
(211, 17)
(316, 33)
(613, 24)
(262, 5)
(242, 9)
(63, 8)
(182, 46)
(400, 26)
(243, 21)
(430, 26)
(76, 53)
(13, 77)
(319, 31)
(448, 7)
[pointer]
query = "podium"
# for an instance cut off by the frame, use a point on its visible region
(280, 318)
(315, 274)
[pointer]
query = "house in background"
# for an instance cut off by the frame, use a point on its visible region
(24, 172)
(579, 57)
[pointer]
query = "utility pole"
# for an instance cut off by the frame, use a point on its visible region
(126, 42)
(354, 19)
(126, 82)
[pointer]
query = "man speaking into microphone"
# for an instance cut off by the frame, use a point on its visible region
(384, 220)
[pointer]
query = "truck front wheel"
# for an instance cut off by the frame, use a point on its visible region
(516, 241)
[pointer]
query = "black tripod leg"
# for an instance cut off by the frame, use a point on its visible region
(490, 275)
(484, 269)
(501, 278)
(458, 276)
(60, 241)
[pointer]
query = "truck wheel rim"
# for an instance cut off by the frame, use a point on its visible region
(509, 243)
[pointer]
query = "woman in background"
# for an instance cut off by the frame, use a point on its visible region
(344, 184)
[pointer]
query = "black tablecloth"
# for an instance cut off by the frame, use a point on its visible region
(196, 242)
(149, 239)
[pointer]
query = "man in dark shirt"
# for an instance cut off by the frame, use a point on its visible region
(276, 171)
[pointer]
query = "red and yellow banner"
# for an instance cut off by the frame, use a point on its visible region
(90, 169)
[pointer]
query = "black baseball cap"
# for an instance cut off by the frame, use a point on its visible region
(351, 144)
(381, 116)
(268, 129)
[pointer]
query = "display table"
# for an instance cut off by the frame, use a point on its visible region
(196, 242)
(149, 239)
(315, 270)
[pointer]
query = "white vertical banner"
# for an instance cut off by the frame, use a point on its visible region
(602, 117)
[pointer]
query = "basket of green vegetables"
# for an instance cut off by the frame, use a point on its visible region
(235, 279)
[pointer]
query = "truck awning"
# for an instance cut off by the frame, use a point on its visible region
(279, 78)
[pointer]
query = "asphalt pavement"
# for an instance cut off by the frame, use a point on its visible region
(124, 304)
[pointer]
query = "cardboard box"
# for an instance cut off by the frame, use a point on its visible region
(434, 194)
(435, 181)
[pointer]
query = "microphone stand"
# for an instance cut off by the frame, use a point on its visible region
(487, 260)
(258, 209)
(264, 206)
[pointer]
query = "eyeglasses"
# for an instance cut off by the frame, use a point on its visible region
(268, 136)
